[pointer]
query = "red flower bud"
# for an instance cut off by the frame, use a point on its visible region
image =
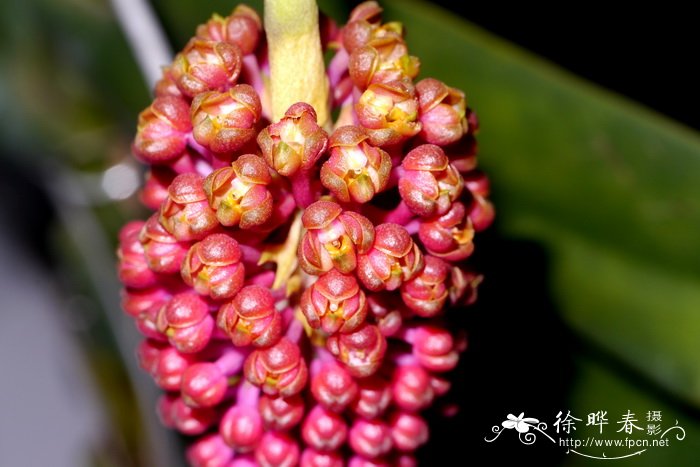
(383, 59)
(430, 184)
(359, 461)
(166, 85)
(238, 193)
(355, 170)
(361, 351)
(334, 303)
(427, 292)
(393, 259)
(148, 352)
(333, 238)
(434, 348)
(276, 450)
(169, 368)
(442, 112)
(186, 322)
(203, 385)
(373, 398)
(146, 324)
(278, 369)
(412, 388)
(313, 458)
(174, 413)
(242, 428)
(481, 211)
(333, 387)
(206, 66)
(213, 267)
(241, 28)
(449, 236)
(364, 19)
(161, 134)
(133, 268)
(295, 142)
(370, 438)
(389, 112)
(251, 318)
(224, 121)
(155, 190)
(281, 413)
(463, 286)
(208, 451)
(408, 431)
(324, 430)
(186, 213)
(164, 254)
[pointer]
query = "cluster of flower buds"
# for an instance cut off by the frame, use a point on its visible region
(292, 282)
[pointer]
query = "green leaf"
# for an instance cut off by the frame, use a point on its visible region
(600, 388)
(606, 186)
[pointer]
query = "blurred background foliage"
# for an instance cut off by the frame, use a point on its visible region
(592, 292)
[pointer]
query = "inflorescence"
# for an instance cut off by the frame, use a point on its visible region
(292, 281)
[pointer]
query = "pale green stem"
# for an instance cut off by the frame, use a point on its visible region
(297, 73)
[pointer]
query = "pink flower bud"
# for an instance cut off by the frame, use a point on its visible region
(241, 28)
(203, 385)
(148, 352)
(324, 430)
(164, 254)
(169, 367)
(132, 267)
(242, 428)
(186, 213)
(161, 134)
(434, 348)
(356, 170)
(137, 301)
(464, 286)
(442, 112)
(361, 351)
(174, 413)
(295, 142)
(412, 388)
(277, 450)
(450, 235)
(430, 184)
(209, 451)
(206, 66)
(279, 369)
(333, 238)
(313, 458)
(333, 387)
(251, 318)
(389, 112)
(408, 431)
(383, 59)
(462, 154)
(364, 19)
(146, 324)
(224, 121)
(481, 212)
(239, 193)
(370, 438)
(155, 190)
(427, 292)
(166, 85)
(281, 413)
(393, 259)
(335, 303)
(373, 398)
(213, 267)
(187, 322)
